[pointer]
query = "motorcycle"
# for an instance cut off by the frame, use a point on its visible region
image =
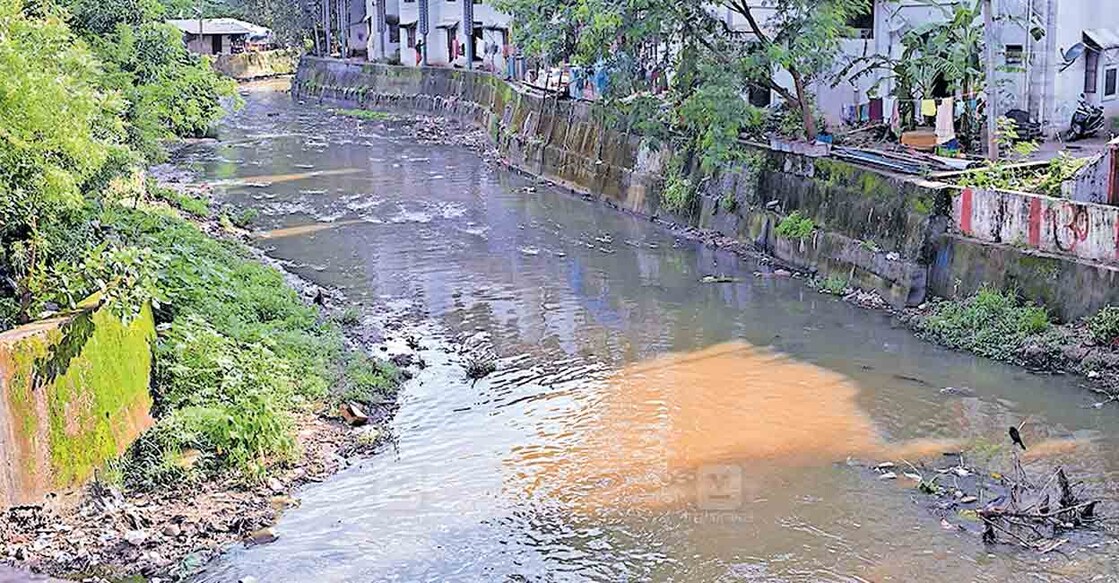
(1087, 120)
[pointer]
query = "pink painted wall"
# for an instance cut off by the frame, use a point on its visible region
(1052, 225)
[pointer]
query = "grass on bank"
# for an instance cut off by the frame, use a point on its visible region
(365, 114)
(238, 353)
(989, 323)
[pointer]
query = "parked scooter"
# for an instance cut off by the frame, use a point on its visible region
(1087, 120)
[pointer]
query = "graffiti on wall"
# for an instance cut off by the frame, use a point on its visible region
(1052, 225)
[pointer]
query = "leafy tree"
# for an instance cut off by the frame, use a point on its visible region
(58, 131)
(798, 38)
(801, 38)
(169, 91)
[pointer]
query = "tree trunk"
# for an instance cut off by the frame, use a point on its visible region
(805, 107)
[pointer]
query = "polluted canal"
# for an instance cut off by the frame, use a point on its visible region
(641, 424)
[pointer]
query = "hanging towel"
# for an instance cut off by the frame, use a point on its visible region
(849, 113)
(945, 123)
(876, 109)
(864, 112)
(892, 105)
(928, 107)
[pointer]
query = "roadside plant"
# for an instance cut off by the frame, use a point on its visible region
(833, 285)
(1104, 325)
(989, 323)
(795, 227)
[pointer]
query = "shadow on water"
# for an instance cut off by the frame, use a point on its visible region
(641, 425)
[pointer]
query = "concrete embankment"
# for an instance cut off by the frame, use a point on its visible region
(903, 237)
(73, 394)
(258, 64)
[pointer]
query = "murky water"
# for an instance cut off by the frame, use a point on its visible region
(642, 425)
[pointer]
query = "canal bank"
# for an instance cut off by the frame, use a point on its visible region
(905, 238)
(270, 386)
(621, 376)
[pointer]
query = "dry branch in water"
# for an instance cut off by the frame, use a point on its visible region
(1026, 518)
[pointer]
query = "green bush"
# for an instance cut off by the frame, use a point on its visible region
(833, 285)
(988, 323)
(678, 189)
(795, 227)
(1104, 326)
(241, 354)
(59, 134)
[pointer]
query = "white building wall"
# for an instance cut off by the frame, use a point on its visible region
(392, 20)
(1073, 18)
(1037, 85)
(446, 31)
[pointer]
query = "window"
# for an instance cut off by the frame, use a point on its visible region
(1015, 55)
(760, 96)
(394, 33)
(863, 23)
(1110, 82)
(1091, 70)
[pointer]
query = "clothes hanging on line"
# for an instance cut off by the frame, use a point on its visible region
(892, 105)
(945, 122)
(876, 109)
(928, 107)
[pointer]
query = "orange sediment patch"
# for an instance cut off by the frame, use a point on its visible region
(662, 424)
(1054, 448)
(304, 229)
(275, 178)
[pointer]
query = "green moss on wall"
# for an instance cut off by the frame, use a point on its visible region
(91, 374)
(96, 405)
(22, 358)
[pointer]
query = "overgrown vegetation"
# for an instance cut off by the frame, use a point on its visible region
(795, 227)
(989, 323)
(833, 284)
(678, 190)
(237, 355)
(678, 74)
(91, 91)
(1045, 179)
(1104, 325)
(365, 114)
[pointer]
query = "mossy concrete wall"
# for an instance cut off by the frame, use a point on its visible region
(904, 237)
(258, 64)
(73, 394)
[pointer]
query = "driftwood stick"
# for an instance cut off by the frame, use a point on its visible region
(1050, 514)
(989, 522)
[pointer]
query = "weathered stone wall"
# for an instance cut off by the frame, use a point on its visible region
(258, 64)
(73, 393)
(904, 237)
(1032, 221)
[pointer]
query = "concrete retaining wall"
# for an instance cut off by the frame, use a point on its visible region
(259, 64)
(1051, 225)
(73, 393)
(903, 237)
